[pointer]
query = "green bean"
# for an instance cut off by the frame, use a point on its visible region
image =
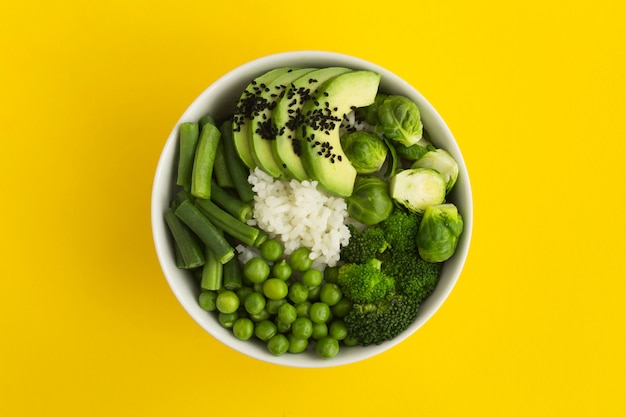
(207, 118)
(231, 204)
(233, 275)
(204, 161)
(238, 171)
(188, 136)
(208, 233)
(212, 272)
(186, 242)
(220, 168)
(226, 222)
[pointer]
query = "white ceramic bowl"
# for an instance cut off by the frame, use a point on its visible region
(220, 99)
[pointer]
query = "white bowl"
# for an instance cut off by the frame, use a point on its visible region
(220, 99)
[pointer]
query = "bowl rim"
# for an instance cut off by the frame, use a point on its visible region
(163, 175)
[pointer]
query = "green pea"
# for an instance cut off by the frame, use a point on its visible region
(300, 260)
(243, 328)
(207, 300)
(298, 292)
(350, 341)
(342, 308)
(254, 303)
(272, 306)
(227, 319)
(281, 326)
(227, 302)
(275, 289)
(260, 316)
(271, 250)
(330, 294)
(287, 313)
(297, 345)
(314, 293)
(320, 330)
(282, 270)
(302, 328)
(265, 329)
(330, 274)
(319, 312)
(338, 329)
(256, 270)
(302, 309)
(243, 292)
(278, 344)
(327, 347)
(312, 277)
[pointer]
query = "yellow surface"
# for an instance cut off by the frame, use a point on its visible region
(535, 95)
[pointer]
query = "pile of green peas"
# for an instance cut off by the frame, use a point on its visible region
(284, 303)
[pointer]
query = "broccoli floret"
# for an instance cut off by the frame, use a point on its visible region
(400, 230)
(364, 283)
(414, 277)
(377, 322)
(364, 245)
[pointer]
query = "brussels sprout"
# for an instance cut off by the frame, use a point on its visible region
(370, 202)
(438, 233)
(366, 151)
(418, 188)
(441, 161)
(369, 114)
(399, 119)
(413, 152)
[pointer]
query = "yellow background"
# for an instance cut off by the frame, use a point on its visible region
(535, 94)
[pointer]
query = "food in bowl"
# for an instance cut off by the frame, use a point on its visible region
(306, 216)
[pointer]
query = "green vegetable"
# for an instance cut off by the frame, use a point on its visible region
(369, 114)
(302, 328)
(207, 300)
(374, 323)
(271, 250)
(232, 275)
(206, 119)
(282, 270)
(414, 277)
(327, 347)
(298, 292)
(439, 232)
(312, 278)
(330, 294)
(212, 272)
(241, 231)
(212, 237)
(363, 246)
(227, 320)
(189, 247)
(319, 312)
(399, 119)
(243, 328)
(297, 345)
(442, 162)
(412, 153)
(299, 259)
(227, 302)
(188, 136)
(238, 171)
(287, 313)
(254, 303)
(278, 344)
(370, 202)
(265, 330)
(400, 230)
(204, 161)
(256, 270)
(275, 289)
(230, 203)
(365, 283)
(365, 151)
(418, 188)
(338, 330)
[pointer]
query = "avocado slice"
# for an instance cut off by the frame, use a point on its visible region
(250, 100)
(287, 117)
(322, 156)
(262, 130)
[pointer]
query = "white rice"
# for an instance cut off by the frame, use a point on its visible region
(298, 214)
